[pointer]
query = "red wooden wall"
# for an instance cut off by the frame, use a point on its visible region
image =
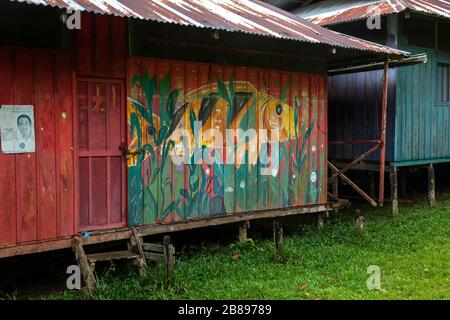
(101, 46)
(37, 189)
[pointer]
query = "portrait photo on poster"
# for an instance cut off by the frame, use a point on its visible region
(17, 129)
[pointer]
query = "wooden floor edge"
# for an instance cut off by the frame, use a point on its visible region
(147, 230)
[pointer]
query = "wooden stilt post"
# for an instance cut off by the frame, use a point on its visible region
(431, 186)
(278, 238)
(320, 221)
(335, 187)
(243, 227)
(383, 132)
(394, 191)
(137, 244)
(359, 223)
(169, 252)
(372, 184)
(83, 264)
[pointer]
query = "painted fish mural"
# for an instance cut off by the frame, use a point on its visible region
(272, 113)
(160, 117)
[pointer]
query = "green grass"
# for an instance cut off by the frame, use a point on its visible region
(412, 251)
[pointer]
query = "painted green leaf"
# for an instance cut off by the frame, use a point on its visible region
(185, 193)
(143, 111)
(149, 86)
(134, 80)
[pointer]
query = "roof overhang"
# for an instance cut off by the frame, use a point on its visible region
(332, 12)
(241, 16)
(407, 61)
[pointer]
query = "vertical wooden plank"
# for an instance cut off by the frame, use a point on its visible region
(189, 85)
(26, 186)
(204, 169)
(314, 116)
(270, 115)
(165, 191)
(192, 182)
(46, 151)
(218, 123)
(150, 180)
(263, 179)
(295, 143)
(98, 209)
(240, 126)
(230, 167)
(64, 136)
(322, 166)
(84, 45)
(119, 46)
(285, 131)
(252, 175)
(103, 45)
(8, 223)
(178, 78)
(305, 124)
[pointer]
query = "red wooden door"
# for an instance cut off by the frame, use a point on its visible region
(101, 165)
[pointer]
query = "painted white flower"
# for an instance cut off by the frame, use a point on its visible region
(274, 172)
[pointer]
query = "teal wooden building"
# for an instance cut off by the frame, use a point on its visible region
(418, 102)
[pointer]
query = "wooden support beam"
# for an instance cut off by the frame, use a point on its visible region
(243, 227)
(394, 192)
(278, 238)
(83, 263)
(354, 162)
(320, 222)
(332, 196)
(359, 224)
(337, 142)
(335, 187)
(354, 186)
(169, 252)
(362, 166)
(8, 250)
(372, 184)
(383, 131)
(138, 243)
(431, 186)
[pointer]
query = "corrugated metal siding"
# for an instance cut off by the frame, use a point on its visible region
(422, 127)
(204, 190)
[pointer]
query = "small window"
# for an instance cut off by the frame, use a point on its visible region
(443, 84)
(420, 32)
(444, 36)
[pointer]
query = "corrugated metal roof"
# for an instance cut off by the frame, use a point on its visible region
(250, 16)
(337, 11)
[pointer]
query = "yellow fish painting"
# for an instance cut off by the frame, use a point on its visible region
(212, 110)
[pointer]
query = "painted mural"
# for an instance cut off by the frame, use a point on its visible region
(208, 140)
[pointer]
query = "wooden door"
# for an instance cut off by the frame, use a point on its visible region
(101, 164)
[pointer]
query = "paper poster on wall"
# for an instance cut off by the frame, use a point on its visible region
(17, 129)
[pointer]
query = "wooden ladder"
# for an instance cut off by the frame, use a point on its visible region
(137, 253)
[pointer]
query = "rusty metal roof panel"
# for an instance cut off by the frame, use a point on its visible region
(338, 11)
(250, 16)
